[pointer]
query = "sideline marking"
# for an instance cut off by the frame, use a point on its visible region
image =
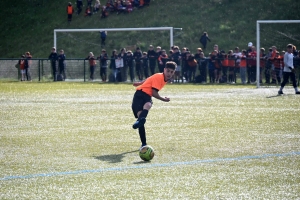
(148, 166)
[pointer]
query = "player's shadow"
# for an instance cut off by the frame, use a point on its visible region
(114, 158)
(278, 95)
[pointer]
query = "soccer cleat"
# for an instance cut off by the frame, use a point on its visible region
(139, 123)
(298, 92)
(143, 145)
(280, 92)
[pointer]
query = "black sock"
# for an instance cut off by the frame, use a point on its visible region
(142, 133)
(144, 114)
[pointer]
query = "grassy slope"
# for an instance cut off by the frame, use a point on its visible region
(28, 25)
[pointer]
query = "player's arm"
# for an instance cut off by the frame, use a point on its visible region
(135, 84)
(157, 96)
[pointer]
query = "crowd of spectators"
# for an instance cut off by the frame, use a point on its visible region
(117, 6)
(216, 67)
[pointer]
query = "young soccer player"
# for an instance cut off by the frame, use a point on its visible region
(145, 90)
(288, 70)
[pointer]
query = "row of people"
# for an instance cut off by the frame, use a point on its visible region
(220, 66)
(216, 64)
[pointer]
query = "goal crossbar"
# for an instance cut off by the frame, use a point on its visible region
(258, 22)
(117, 29)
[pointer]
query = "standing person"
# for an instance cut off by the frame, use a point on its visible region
(22, 68)
(129, 64)
(103, 65)
(243, 66)
(278, 67)
(211, 68)
(124, 67)
(92, 62)
(262, 64)
(268, 66)
(152, 56)
(162, 60)
(113, 58)
(203, 68)
(184, 68)
(53, 59)
(97, 6)
(62, 64)
(145, 64)
(79, 6)
(224, 64)
(176, 57)
(252, 65)
(137, 57)
(203, 39)
(103, 35)
(27, 65)
(288, 70)
(217, 68)
(249, 50)
(158, 53)
(237, 55)
(191, 66)
(145, 90)
(70, 11)
(272, 59)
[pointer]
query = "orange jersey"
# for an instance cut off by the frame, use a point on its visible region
(156, 81)
(278, 61)
(225, 62)
(231, 61)
(243, 62)
(70, 10)
(273, 55)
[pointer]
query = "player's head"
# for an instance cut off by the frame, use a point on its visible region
(53, 49)
(289, 48)
(61, 51)
(169, 69)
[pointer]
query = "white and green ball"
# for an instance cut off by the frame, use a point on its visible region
(146, 153)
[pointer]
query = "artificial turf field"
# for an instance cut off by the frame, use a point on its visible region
(75, 141)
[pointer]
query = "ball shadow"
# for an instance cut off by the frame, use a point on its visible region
(114, 158)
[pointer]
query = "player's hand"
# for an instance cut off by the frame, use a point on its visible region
(135, 84)
(166, 99)
(293, 70)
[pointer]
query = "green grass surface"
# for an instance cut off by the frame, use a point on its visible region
(28, 26)
(75, 141)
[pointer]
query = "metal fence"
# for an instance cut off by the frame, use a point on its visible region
(76, 69)
(41, 70)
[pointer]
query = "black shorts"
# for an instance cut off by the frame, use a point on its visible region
(139, 100)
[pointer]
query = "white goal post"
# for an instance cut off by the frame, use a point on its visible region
(171, 29)
(258, 22)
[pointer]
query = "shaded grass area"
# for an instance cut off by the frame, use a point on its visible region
(28, 25)
(63, 127)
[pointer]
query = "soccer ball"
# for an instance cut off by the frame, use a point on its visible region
(146, 153)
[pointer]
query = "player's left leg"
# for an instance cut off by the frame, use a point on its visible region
(142, 116)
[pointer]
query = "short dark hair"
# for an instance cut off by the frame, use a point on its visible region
(171, 65)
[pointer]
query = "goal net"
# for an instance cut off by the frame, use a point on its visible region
(77, 43)
(277, 33)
